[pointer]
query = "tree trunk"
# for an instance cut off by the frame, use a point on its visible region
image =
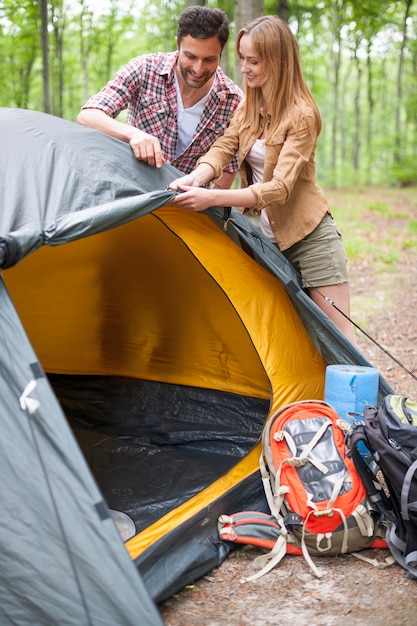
(337, 52)
(245, 12)
(86, 28)
(283, 10)
(398, 125)
(58, 20)
(371, 106)
(43, 11)
(357, 133)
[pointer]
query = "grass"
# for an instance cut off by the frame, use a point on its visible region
(379, 207)
(376, 223)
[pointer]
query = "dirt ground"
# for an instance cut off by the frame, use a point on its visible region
(384, 299)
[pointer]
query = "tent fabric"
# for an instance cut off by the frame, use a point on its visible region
(167, 338)
(61, 559)
(65, 181)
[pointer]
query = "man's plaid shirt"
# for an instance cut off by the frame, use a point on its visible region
(146, 87)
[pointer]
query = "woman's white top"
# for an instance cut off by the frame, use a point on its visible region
(256, 159)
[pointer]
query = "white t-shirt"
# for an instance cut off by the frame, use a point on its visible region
(188, 120)
(256, 159)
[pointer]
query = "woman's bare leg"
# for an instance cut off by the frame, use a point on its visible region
(340, 295)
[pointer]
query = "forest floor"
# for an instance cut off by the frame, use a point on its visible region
(383, 279)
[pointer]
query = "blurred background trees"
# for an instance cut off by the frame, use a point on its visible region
(359, 58)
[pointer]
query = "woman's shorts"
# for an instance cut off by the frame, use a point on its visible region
(320, 257)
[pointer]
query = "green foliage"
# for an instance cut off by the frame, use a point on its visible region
(19, 51)
(158, 25)
(379, 207)
(404, 172)
(357, 210)
(388, 256)
(355, 229)
(349, 51)
(411, 244)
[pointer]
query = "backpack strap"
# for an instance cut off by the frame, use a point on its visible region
(389, 560)
(397, 548)
(267, 562)
(364, 520)
(374, 490)
(303, 458)
(406, 412)
(405, 492)
(275, 499)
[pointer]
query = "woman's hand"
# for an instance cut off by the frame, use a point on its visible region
(197, 178)
(193, 198)
(188, 180)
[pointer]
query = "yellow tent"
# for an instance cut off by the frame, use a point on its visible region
(168, 337)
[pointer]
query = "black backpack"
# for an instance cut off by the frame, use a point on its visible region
(389, 432)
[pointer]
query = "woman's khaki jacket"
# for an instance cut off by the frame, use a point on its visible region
(294, 203)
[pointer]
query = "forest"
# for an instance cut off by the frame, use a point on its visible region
(359, 59)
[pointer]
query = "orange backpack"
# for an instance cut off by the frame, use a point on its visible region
(313, 490)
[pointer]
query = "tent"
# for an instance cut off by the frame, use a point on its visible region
(144, 346)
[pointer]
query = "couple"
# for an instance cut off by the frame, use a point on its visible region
(273, 132)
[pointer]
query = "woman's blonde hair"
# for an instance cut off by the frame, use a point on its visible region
(286, 88)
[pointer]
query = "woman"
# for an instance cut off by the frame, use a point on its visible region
(275, 131)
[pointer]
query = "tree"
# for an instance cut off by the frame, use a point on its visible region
(20, 23)
(283, 9)
(43, 13)
(245, 12)
(84, 22)
(359, 60)
(398, 122)
(58, 22)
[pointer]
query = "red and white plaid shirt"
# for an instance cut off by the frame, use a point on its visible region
(146, 87)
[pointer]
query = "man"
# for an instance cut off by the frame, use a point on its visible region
(178, 103)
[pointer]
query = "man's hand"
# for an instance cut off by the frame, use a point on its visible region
(147, 148)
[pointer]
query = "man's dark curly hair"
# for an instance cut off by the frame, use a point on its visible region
(202, 23)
